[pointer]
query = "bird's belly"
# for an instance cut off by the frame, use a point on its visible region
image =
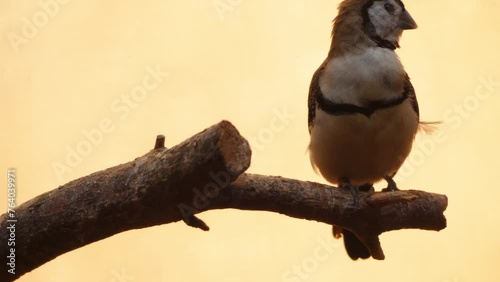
(362, 149)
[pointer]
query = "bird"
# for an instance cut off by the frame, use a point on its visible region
(363, 113)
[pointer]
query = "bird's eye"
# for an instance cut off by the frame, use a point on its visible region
(389, 8)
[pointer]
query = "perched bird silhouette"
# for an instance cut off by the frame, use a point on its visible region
(363, 112)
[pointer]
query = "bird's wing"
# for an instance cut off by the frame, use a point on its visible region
(314, 93)
(410, 92)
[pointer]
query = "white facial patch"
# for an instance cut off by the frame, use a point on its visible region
(386, 23)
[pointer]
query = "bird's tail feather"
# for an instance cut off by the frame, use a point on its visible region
(354, 247)
(428, 127)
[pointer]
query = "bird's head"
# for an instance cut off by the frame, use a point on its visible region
(367, 22)
(386, 19)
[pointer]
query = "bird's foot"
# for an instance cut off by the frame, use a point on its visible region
(367, 188)
(345, 184)
(391, 185)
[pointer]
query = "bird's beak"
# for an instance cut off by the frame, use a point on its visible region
(406, 21)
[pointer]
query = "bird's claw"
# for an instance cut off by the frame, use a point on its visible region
(345, 184)
(391, 185)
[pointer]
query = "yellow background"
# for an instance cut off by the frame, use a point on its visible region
(245, 64)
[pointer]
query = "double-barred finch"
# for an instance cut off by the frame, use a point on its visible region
(363, 112)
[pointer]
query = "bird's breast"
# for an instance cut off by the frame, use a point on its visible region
(373, 75)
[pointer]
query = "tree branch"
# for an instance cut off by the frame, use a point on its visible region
(202, 173)
(370, 216)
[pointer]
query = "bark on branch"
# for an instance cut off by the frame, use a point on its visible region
(204, 172)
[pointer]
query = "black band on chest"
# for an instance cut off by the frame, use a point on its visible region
(349, 109)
